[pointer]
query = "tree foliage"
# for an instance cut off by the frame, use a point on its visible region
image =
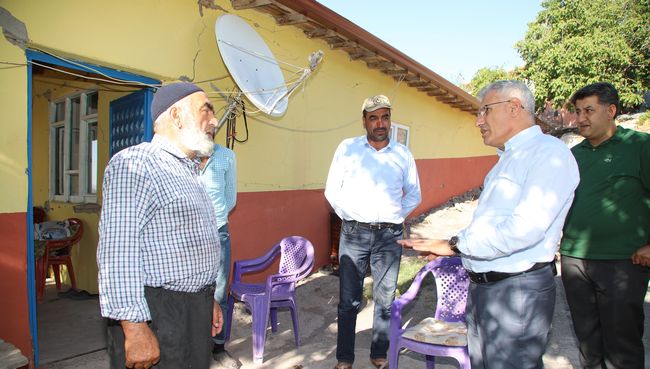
(576, 42)
(485, 76)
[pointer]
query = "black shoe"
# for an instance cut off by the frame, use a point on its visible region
(225, 360)
(379, 363)
(218, 348)
(342, 365)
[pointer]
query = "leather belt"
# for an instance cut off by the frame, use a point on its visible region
(489, 277)
(374, 226)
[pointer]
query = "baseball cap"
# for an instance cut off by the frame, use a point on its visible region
(374, 103)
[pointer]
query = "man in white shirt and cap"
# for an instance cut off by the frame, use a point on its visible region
(372, 186)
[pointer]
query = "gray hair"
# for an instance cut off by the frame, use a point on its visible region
(516, 89)
(164, 118)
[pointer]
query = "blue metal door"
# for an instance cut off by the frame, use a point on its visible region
(130, 120)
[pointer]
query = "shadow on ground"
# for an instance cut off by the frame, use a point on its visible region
(318, 297)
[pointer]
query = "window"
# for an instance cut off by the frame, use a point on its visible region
(400, 133)
(73, 148)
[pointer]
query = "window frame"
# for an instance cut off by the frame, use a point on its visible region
(82, 172)
(394, 127)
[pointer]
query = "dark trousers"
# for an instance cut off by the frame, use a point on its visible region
(182, 323)
(605, 298)
(508, 321)
(358, 247)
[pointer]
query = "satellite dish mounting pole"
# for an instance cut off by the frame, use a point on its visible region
(231, 109)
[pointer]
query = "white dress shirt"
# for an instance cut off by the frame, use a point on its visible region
(369, 185)
(521, 211)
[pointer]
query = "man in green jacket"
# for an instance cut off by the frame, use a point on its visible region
(606, 249)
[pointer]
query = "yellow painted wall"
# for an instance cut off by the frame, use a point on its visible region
(13, 139)
(170, 39)
(328, 110)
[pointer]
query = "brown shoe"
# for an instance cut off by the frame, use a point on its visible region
(342, 365)
(379, 363)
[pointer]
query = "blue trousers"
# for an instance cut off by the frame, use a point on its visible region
(508, 321)
(221, 291)
(359, 247)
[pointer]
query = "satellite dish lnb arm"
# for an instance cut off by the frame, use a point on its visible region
(314, 59)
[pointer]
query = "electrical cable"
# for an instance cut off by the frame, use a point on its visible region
(231, 127)
(243, 108)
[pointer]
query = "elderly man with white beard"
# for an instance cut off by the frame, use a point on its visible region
(158, 252)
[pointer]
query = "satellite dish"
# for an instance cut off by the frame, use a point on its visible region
(252, 65)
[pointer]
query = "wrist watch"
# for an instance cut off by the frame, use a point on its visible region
(453, 242)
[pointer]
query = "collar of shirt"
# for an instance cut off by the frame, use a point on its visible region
(521, 138)
(390, 145)
(167, 146)
(617, 137)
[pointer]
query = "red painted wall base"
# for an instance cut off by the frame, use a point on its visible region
(261, 219)
(14, 310)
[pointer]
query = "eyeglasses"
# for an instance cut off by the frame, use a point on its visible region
(484, 110)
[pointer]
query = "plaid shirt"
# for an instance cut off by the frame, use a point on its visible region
(157, 229)
(219, 177)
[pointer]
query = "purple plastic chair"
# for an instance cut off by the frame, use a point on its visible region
(261, 299)
(452, 283)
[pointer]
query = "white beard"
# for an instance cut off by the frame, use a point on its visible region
(196, 140)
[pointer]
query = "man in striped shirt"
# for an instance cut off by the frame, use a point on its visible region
(158, 251)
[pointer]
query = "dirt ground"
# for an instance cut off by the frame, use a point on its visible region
(317, 297)
(445, 220)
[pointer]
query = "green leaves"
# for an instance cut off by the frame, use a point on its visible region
(484, 77)
(576, 42)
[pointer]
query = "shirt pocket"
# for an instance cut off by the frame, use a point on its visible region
(505, 190)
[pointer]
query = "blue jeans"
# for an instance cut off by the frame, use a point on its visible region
(220, 293)
(359, 246)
